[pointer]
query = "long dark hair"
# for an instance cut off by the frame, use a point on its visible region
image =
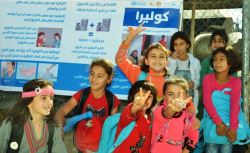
(181, 35)
(20, 113)
(146, 86)
(233, 58)
(219, 32)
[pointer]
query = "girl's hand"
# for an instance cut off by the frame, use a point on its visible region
(139, 101)
(231, 135)
(197, 124)
(133, 32)
(221, 129)
(185, 150)
(178, 105)
(174, 55)
(191, 84)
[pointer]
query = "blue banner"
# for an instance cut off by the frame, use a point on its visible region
(152, 17)
(56, 40)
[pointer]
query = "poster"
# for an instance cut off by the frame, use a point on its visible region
(57, 39)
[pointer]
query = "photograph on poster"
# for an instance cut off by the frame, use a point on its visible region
(8, 69)
(26, 70)
(82, 25)
(101, 25)
(49, 37)
(142, 42)
(48, 71)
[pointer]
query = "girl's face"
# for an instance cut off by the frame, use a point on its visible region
(10, 67)
(41, 36)
(135, 53)
(41, 104)
(173, 92)
(220, 63)
(57, 37)
(180, 47)
(99, 78)
(156, 60)
(217, 42)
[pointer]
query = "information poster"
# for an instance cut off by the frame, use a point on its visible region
(57, 39)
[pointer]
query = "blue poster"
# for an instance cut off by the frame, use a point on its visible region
(56, 40)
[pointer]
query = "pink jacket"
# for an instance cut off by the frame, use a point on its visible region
(169, 135)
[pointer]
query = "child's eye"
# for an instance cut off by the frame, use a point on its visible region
(51, 98)
(100, 76)
(43, 97)
(170, 94)
(162, 57)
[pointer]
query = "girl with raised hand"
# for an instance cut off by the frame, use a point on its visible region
(173, 126)
(153, 64)
(143, 99)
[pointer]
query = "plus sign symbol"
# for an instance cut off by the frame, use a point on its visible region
(92, 25)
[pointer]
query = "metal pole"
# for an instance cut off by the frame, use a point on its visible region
(246, 49)
(192, 32)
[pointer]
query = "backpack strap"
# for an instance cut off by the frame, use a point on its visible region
(110, 99)
(16, 136)
(51, 135)
(123, 135)
(143, 75)
(84, 95)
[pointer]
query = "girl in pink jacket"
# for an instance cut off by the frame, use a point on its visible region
(172, 124)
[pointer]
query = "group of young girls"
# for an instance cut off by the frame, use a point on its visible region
(162, 103)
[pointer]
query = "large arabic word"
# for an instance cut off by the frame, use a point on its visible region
(157, 18)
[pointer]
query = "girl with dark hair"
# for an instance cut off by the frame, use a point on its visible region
(219, 38)
(57, 41)
(32, 114)
(183, 64)
(222, 112)
(142, 98)
(88, 132)
(172, 124)
(153, 64)
(133, 57)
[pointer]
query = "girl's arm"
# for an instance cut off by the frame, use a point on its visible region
(133, 110)
(192, 135)
(234, 109)
(122, 60)
(64, 110)
(58, 144)
(207, 99)
(235, 103)
(175, 106)
(125, 119)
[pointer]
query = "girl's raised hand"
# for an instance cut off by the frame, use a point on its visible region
(139, 101)
(179, 104)
(133, 32)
